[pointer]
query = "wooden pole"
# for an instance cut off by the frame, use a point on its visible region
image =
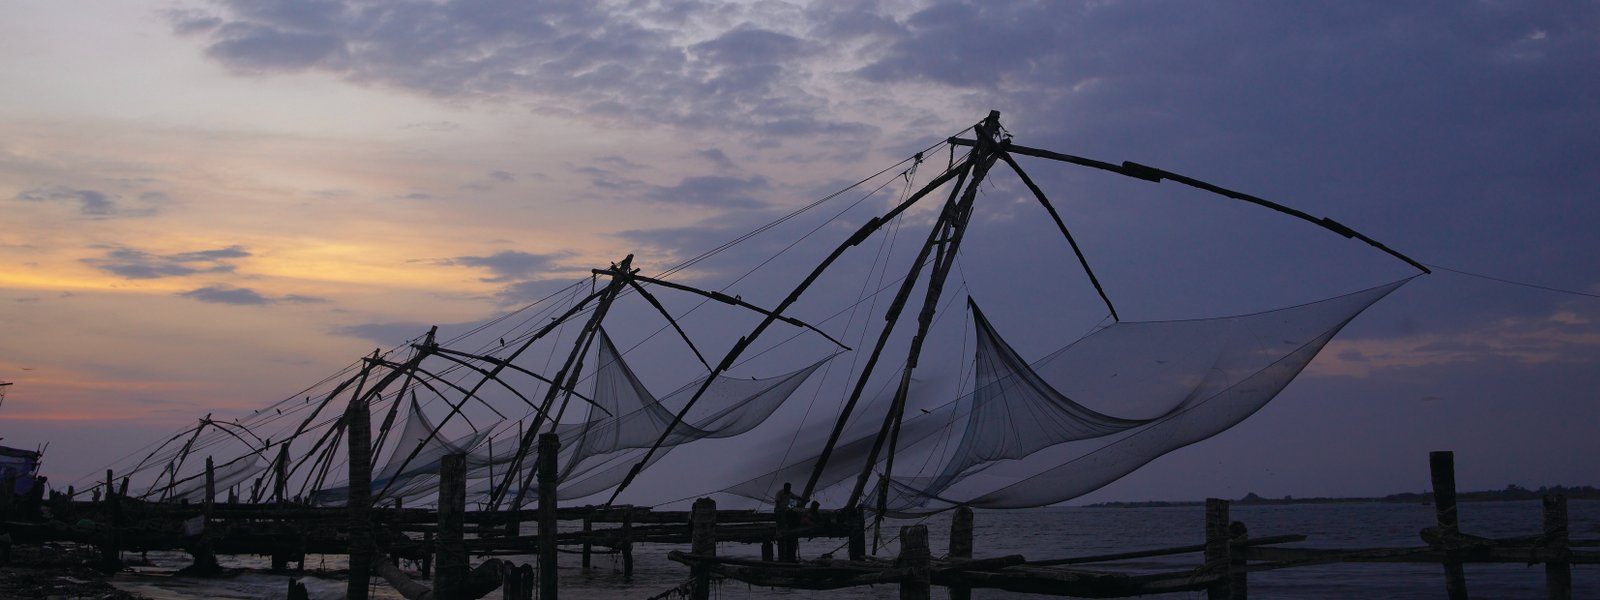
(961, 546)
(783, 512)
(858, 533)
(8, 490)
(627, 545)
(1238, 578)
(588, 546)
(549, 445)
(703, 542)
(205, 560)
(1557, 571)
(428, 546)
(110, 553)
(280, 480)
(450, 580)
(917, 560)
(1442, 465)
(1218, 555)
(359, 419)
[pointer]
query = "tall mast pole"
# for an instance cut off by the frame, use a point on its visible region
(944, 241)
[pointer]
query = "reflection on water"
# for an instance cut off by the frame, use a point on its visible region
(1038, 534)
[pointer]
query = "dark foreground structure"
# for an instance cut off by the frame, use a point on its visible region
(441, 541)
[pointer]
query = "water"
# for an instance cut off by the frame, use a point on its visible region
(1038, 534)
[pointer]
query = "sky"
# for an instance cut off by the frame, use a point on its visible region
(211, 205)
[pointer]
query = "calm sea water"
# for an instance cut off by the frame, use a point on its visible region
(1040, 534)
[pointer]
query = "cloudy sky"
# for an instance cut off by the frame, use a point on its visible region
(211, 205)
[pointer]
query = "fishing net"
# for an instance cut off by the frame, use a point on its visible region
(625, 418)
(1089, 413)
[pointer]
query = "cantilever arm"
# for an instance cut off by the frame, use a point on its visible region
(1038, 193)
(668, 316)
(1148, 173)
(736, 301)
(446, 354)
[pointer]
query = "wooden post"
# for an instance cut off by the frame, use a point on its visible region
(549, 445)
(782, 512)
(297, 591)
(280, 483)
(110, 553)
(1218, 556)
(525, 574)
(205, 560)
(450, 582)
(858, 533)
(359, 419)
(627, 545)
(426, 567)
(917, 560)
(8, 500)
(1442, 465)
(961, 546)
(702, 542)
(1238, 578)
(1557, 571)
(766, 550)
(588, 546)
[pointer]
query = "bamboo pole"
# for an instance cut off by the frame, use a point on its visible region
(1442, 465)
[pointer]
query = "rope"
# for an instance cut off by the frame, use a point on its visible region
(1513, 282)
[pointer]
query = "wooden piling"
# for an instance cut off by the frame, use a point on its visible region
(784, 513)
(549, 445)
(205, 560)
(703, 542)
(1238, 577)
(280, 479)
(359, 420)
(858, 532)
(1442, 465)
(916, 560)
(1557, 571)
(588, 546)
(525, 575)
(426, 568)
(8, 490)
(961, 546)
(627, 545)
(110, 553)
(450, 580)
(1218, 552)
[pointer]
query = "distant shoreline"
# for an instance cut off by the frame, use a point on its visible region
(1511, 492)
